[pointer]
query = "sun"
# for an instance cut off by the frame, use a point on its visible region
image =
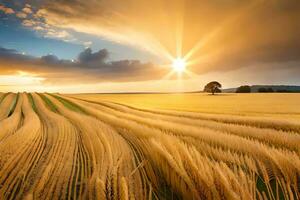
(179, 64)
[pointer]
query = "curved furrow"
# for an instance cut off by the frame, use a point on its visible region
(186, 130)
(59, 147)
(215, 153)
(283, 164)
(167, 170)
(141, 142)
(272, 137)
(261, 122)
(9, 125)
(29, 159)
(114, 139)
(21, 149)
(54, 176)
(63, 169)
(78, 171)
(6, 105)
(281, 140)
(86, 156)
(154, 183)
(107, 164)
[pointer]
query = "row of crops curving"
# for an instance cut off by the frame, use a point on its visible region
(58, 147)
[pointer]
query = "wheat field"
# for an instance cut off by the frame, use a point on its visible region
(55, 146)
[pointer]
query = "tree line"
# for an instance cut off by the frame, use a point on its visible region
(215, 87)
(247, 89)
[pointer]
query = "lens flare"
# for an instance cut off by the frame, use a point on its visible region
(179, 64)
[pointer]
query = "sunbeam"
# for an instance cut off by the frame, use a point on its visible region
(229, 21)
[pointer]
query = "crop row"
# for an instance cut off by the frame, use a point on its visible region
(58, 147)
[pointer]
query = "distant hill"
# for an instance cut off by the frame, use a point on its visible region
(276, 88)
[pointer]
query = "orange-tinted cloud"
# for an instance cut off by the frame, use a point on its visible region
(6, 10)
(215, 34)
(21, 15)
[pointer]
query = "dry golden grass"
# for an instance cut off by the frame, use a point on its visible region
(257, 104)
(149, 146)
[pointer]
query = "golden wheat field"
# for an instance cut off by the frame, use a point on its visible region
(230, 146)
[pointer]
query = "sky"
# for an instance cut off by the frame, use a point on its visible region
(130, 45)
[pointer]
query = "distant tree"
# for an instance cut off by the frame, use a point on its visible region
(213, 87)
(262, 90)
(243, 89)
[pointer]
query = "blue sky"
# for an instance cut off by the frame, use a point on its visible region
(15, 36)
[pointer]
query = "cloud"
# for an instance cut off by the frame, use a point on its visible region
(32, 18)
(217, 35)
(21, 15)
(37, 24)
(6, 10)
(54, 33)
(90, 67)
(87, 44)
(27, 10)
(28, 23)
(88, 57)
(38, 28)
(48, 31)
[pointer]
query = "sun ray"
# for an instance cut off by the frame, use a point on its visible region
(191, 74)
(201, 43)
(202, 59)
(179, 35)
(225, 24)
(168, 75)
(163, 51)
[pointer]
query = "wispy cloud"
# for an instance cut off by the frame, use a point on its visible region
(33, 18)
(21, 15)
(28, 23)
(27, 10)
(6, 10)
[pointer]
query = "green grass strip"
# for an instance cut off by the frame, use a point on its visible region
(3, 97)
(49, 103)
(32, 102)
(13, 105)
(68, 104)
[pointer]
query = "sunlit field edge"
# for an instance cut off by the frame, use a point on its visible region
(285, 105)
